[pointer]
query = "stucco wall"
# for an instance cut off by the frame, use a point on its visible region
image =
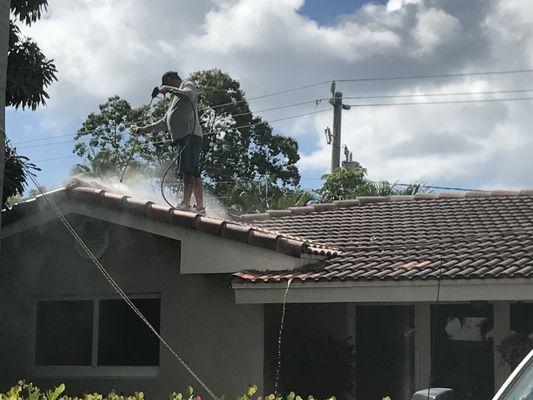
(222, 341)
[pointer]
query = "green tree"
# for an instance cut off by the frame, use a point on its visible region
(240, 150)
(259, 196)
(247, 152)
(16, 173)
(109, 145)
(29, 73)
(342, 184)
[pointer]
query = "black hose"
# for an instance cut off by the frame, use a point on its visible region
(179, 151)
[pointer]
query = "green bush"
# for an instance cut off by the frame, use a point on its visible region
(29, 391)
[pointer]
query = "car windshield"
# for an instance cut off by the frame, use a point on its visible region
(522, 389)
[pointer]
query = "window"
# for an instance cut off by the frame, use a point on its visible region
(462, 349)
(64, 333)
(98, 332)
(123, 338)
(384, 333)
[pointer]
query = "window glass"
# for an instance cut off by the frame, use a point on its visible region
(384, 352)
(123, 339)
(514, 347)
(462, 349)
(64, 333)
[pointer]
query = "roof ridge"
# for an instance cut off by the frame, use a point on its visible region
(363, 200)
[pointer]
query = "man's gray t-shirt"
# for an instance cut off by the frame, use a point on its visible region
(180, 117)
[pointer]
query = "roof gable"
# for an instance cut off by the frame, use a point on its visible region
(23, 216)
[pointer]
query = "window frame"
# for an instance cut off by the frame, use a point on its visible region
(94, 370)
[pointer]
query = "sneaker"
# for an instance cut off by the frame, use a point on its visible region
(183, 207)
(199, 210)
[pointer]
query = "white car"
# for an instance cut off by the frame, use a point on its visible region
(519, 385)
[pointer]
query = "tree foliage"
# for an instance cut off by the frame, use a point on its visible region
(16, 173)
(29, 72)
(240, 151)
(342, 184)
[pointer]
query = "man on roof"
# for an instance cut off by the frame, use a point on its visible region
(181, 121)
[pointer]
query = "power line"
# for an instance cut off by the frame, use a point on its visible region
(55, 159)
(385, 78)
(165, 141)
(519, 71)
(280, 119)
(387, 96)
(461, 74)
(43, 138)
(459, 189)
(279, 107)
(266, 95)
(440, 102)
(50, 144)
(46, 138)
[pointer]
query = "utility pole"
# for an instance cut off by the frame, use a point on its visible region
(336, 102)
(4, 35)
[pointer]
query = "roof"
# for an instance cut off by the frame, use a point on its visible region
(468, 235)
(81, 191)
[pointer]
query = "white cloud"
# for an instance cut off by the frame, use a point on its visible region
(103, 47)
(435, 28)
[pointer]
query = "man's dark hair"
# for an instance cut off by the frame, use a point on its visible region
(168, 76)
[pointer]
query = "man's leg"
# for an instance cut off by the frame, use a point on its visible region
(188, 184)
(199, 192)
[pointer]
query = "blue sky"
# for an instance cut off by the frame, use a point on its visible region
(296, 43)
(326, 12)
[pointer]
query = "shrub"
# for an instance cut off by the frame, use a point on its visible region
(29, 391)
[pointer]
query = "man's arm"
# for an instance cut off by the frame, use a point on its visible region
(157, 126)
(188, 89)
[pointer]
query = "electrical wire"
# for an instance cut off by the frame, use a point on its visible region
(54, 159)
(435, 76)
(115, 285)
(433, 343)
(440, 102)
(280, 119)
(260, 123)
(266, 95)
(323, 99)
(277, 108)
(45, 138)
(50, 144)
(393, 96)
(459, 189)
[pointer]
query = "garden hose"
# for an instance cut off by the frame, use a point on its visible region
(179, 152)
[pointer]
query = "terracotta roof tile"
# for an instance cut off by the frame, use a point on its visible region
(472, 235)
(80, 191)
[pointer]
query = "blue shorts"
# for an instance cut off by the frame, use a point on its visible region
(190, 147)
